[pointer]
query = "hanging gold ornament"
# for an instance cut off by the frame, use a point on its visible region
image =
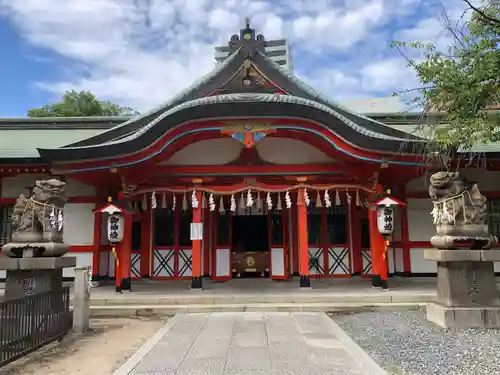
(319, 204)
(337, 198)
(203, 200)
(242, 201)
(278, 205)
(221, 205)
(259, 202)
(164, 201)
(144, 204)
(184, 203)
(358, 200)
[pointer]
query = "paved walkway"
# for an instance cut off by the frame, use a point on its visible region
(246, 343)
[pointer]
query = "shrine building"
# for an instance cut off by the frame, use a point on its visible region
(279, 177)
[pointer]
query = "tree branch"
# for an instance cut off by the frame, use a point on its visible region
(482, 13)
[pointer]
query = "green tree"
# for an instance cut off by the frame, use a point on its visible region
(464, 81)
(81, 104)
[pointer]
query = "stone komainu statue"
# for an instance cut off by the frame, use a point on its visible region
(460, 212)
(38, 220)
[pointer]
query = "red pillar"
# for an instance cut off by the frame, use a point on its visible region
(377, 245)
(305, 282)
(196, 246)
(125, 253)
(293, 228)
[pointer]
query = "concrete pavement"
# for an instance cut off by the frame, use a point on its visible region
(250, 343)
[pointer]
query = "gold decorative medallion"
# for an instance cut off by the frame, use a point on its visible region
(250, 261)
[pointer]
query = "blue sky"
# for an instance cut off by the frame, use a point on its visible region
(141, 52)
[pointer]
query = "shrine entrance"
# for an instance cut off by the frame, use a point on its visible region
(250, 246)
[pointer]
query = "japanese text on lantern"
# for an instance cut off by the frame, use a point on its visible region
(388, 219)
(385, 220)
(115, 228)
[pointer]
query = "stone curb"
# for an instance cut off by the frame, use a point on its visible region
(148, 310)
(130, 363)
(356, 352)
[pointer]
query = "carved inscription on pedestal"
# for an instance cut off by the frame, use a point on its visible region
(28, 285)
(472, 286)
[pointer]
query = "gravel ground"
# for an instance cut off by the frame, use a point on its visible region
(405, 343)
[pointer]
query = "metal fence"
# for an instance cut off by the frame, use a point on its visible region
(28, 323)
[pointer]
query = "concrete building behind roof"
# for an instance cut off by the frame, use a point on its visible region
(370, 106)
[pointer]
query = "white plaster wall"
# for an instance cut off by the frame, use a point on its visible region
(391, 261)
(419, 264)
(420, 226)
(290, 151)
(487, 180)
(79, 189)
(79, 224)
(208, 152)
(13, 186)
(82, 260)
(398, 260)
(221, 151)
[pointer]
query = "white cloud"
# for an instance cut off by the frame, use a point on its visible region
(340, 27)
(140, 53)
(388, 74)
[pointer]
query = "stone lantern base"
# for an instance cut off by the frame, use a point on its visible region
(467, 296)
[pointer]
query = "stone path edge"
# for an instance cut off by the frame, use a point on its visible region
(356, 351)
(130, 363)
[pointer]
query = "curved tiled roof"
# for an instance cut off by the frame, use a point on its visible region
(230, 106)
(253, 97)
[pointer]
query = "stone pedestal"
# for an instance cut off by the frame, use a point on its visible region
(27, 276)
(467, 296)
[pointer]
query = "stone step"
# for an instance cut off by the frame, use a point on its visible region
(162, 310)
(196, 298)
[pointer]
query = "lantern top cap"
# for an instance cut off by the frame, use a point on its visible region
(387, 202)
(114, 208)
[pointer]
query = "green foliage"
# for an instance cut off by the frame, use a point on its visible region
(81, 104)
(464, 81)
